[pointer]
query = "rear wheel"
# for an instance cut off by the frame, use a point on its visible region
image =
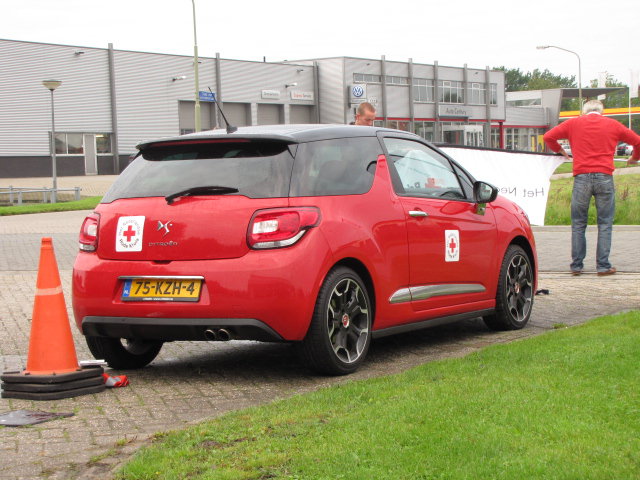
(340, 332)
(122, 353)
(514, 297)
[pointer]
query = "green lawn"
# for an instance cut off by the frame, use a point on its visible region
(564, 405)
(87, 203)
(567, 167)
(627, 202)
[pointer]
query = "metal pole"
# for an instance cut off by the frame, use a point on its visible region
(542, 47)
(54, 193)
(195, 69)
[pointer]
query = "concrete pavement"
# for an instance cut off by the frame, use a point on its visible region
(192, 381)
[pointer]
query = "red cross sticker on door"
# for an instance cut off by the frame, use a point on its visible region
(452, 245)
(129, 234)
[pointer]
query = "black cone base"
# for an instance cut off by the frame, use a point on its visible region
(85, 381)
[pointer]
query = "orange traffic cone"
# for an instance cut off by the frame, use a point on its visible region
(52, 369)
(51, 349)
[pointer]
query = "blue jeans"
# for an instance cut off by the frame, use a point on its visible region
(600, 186)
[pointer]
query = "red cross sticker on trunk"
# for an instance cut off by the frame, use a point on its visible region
(129, 234)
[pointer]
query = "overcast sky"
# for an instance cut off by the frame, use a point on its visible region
(477, 33)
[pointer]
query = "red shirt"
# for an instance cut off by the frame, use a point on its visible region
(593, 140)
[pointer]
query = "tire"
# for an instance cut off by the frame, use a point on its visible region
(514, 297)
(121, 353)
(340, 332)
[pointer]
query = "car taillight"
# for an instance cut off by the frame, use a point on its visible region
(280, 227)
(89, 233)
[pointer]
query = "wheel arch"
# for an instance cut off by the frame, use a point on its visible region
(526, 246)
(361, 269)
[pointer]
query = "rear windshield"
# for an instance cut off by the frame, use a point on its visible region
(258, 169)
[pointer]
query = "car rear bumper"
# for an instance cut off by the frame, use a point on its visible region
(171, 329)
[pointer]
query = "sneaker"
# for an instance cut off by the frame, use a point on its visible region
(575, 273)
(611, 271)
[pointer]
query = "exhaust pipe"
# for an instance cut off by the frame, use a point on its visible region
(210, 335)
(224, 335)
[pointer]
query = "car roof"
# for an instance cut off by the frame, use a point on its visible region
(292, 133)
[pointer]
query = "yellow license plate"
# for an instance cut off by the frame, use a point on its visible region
(161, 289)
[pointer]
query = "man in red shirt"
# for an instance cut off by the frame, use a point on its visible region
(593, 139)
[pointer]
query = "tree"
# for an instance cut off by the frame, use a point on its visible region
(517, 80)
(619, 99)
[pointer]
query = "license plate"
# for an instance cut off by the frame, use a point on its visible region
(161, 289)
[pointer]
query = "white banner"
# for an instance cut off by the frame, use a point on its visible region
(522, 177)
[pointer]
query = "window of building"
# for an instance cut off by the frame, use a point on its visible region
(477, 93)
(524, 139)
(398, 124)
(103, 143)
(450, 91)
(69, 144)
(395, 80)
(495, 137)
(73, 143)
(493, 94)
(425, 129)
(366, 78)
(453, 132)
(423, 90)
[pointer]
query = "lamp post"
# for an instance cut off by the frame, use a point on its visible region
(542, 47)
(52, 85)
(195, 69)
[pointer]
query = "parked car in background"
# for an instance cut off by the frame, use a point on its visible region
(322, 235)
(624, 149)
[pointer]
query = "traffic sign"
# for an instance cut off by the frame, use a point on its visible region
(206, 96)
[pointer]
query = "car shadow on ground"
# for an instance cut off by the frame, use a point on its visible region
(244, 361)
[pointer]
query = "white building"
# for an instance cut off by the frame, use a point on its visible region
(110, 100)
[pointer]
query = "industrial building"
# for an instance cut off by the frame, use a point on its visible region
(110, 100)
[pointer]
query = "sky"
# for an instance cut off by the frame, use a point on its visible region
(480, 34)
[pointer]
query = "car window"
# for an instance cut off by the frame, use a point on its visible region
(335, 167)
(258, 169)
(421, 171)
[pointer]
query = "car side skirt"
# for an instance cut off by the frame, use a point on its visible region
(425, 292)
(174, 329)
(409, 327)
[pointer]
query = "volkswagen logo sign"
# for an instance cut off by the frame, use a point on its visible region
(357, 91)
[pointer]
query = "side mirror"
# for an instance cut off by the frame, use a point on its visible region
(484, 192)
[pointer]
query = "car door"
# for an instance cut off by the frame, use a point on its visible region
(451, 239)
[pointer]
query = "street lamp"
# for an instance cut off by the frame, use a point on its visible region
(542, 47)
(52, 85)
(195, 69)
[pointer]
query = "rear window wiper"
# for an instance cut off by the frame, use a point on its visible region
(206, 190)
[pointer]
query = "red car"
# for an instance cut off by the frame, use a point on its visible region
(322, 235)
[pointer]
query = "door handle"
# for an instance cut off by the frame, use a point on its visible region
(418, 213)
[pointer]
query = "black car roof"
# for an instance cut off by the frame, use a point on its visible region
(285, 133)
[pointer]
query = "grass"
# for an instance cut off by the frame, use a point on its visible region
(627, 202)
(87, 203)
(567, 167)
(562, 405)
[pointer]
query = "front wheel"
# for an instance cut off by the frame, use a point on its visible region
(121, 353)
(340, 332)
(514, 298)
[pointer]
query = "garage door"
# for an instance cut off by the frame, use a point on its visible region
(238, 114)
(270, 114)
(301, 114)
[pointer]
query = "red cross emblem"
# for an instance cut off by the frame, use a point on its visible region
(452, 244)
(130, 232)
